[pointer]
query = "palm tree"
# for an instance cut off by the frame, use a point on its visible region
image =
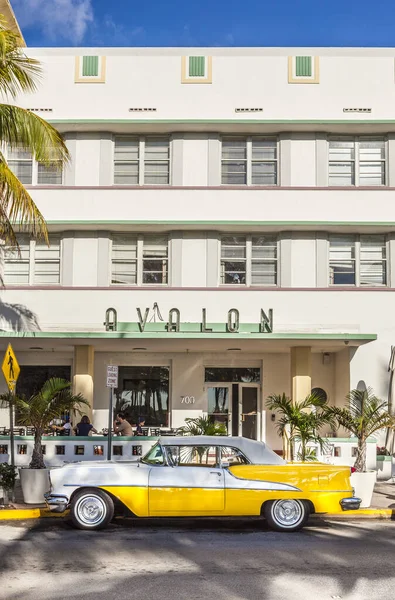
(50, 402)
(365, 414)
(202, 426)
(300, 422)
(22, 128)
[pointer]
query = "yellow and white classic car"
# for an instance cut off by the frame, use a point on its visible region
(198, 477)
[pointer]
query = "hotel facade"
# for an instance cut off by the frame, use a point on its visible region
(224, 231)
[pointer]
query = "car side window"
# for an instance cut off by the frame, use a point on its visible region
(232, 456)
(192, 456)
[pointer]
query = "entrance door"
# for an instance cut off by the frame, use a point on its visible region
(248, 411)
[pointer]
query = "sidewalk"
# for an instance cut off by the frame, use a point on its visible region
(383, 507)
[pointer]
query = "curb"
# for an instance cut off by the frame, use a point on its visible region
(23, 514)
(28, 513)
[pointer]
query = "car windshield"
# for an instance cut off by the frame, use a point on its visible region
(154, 456)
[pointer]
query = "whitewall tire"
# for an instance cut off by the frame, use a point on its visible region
(91, 509)
(286, 515)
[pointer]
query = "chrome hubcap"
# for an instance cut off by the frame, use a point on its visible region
(90, 510)
(287, 512)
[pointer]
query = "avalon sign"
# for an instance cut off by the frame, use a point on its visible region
(145, 323)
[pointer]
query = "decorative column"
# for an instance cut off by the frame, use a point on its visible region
(83, 374)
(300, 372)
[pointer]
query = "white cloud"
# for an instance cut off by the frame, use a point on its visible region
(66, 19)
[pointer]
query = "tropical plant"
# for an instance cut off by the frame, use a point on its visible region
(52, 401)
(365, 415)
(7, 476)
(20, 128)
(202, 426)
(300, 422)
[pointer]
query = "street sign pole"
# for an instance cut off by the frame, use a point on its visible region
(11, 370)
(109, 439)
(12, 444)
(112, 382)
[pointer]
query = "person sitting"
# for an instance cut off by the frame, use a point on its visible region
(122, 426)
(140, 425)
(66, 428)
(85, 427)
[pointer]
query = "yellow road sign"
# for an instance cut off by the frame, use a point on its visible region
(10, 368)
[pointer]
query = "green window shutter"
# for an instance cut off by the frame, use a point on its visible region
(196, 66)
(90, 66)
(303, 66)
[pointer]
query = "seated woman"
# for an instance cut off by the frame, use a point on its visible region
(84, 427)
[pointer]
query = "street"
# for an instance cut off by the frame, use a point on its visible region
(197, 559)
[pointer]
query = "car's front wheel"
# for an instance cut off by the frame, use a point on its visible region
(91, 509)
(286, 515)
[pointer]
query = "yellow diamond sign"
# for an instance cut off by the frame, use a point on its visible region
(10, 368)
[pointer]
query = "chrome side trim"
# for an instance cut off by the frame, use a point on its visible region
(282, 486)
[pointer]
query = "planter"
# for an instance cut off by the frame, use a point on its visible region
(363, 484)
(34, 482)
(384, 467)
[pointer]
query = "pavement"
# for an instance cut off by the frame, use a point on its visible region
(382, 507)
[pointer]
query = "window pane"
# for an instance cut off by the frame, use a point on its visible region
(373, 260)
(234, 149)
(234, 161)
(124, 260)
(342, 273)
(264, 149)
(144, 392)
(47, 262)
(264, 173)
(264, 273)
(372, 173)
(264, 247)
(126, 161)
(371, 149)
(341, 173)
(234, 173)
(23, 170)
(49, 175)
(156, 161)
(16, 264)
(342, 260)
(373, 273)
(155, 255)
(233, 456)
(156, 149)
(341, 150)
(233, 246)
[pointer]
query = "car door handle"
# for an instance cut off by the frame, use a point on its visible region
(216, 473)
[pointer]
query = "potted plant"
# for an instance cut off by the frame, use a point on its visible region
(300, 423)
(365, 415)
(52, 401)
(7, 480)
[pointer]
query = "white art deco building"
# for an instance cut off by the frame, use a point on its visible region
(224, 231)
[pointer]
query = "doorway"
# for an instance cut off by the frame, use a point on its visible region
(235, 405)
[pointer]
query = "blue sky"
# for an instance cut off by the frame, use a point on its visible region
(207, 23)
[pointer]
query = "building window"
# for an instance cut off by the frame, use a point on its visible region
(90, 69)
(303, 69)
(79, 450)
(357, 161)
(34, 263)
(141, 161)
(139, 260)
(60, 450)
(31, 172)
(196, 69)
(358, 260)
(249, 161)
(249, 260)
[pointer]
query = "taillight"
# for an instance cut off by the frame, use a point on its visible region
(352, 469)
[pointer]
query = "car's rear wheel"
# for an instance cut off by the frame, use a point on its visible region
(91, 509)
(286, 515)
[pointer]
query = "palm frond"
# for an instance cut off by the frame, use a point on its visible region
(21, 128)
(17, 71)
(17, 206)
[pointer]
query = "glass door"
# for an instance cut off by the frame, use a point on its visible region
(248, 411)
(218, 396)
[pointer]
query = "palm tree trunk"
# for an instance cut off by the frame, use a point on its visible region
(37, 461)
(360, 461)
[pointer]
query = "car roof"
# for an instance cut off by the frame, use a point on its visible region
(257, 452)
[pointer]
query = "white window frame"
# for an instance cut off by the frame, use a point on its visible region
(142, 159)
(32, 264)
(140, 260)
(357, 260)
(35, 164)
(249, 139)
(248, 261)
(356, 139)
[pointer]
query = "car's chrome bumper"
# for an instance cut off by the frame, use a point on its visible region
(350, 503)
(56, 503)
